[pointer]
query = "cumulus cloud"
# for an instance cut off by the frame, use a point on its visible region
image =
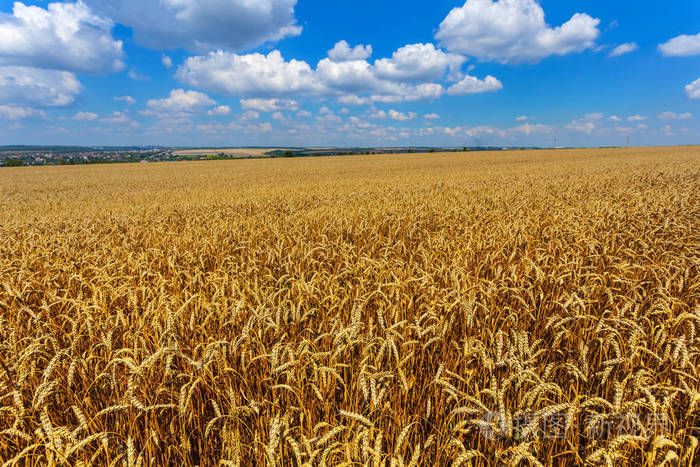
(354, 100)
(623, 49)
(401, 117)
(133, 74)
(581, 125)
(423, 91)
(614, 118)
(513, 31)
(342, 52)
(528, 129)
(218, 111)
(279, 116)
(11, 112)
(269, 105)
(327, 116)
(86, 117)
(128, 99)
(64, 36)
(354, 76)
(248, 116)
(431, 116)
(182, 104)
(624, 130)
(203, 25)
(636, 118)
(247, 75)
(352, 82)
(167, 61)
(674, 116)
(473, 132)
(34, 86)
(681, 46)
(117, 118)
(473, 85)
(587, 124)
(693, 89)
(418, 62)
(262, 127)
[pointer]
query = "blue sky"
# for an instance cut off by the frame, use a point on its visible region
(361, 73)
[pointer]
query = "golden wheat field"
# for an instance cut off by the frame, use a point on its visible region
(511, 308)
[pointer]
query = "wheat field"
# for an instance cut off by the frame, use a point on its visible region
(510, 308)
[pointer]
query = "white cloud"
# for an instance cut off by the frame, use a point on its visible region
(342, 52)
(11, 112)
(203, 25)
(480, 131)
(34, 86)
(521, 118)
(583, 126)
(431, 116)
(137, 76)
(262, 127)
(303, 113)
(473, 85)
(248, 75)
(693, 89)
(386, 98)
(179, 103)
(402, 117)
(614, 118)
(667, 130)
(418, 62)
(128, 99)
(167, 61)
(636, 118)
(218, 111)
(530, 129)
(354, 76)
(269, 105)
(623, 49)
(354, 100)
(86, 117)
(352, 82)
(674, 116)
(249, 116)
(64, 36)
(423, 91)
(587, 124)
(378, 114)
(360, 77)
(117, 118)
(513, 31)
(327, 116)
(624, 130)
(681, 46)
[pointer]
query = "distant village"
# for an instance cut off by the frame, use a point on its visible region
(12, 156)
(65, 156)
